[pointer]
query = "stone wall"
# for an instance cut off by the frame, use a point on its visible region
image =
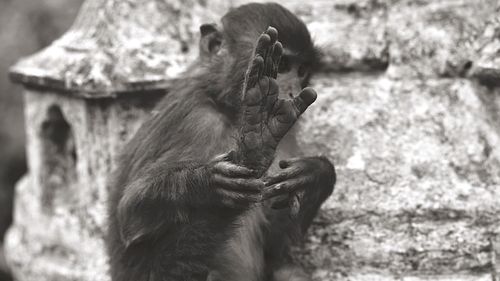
(406, 116)
(408, 110)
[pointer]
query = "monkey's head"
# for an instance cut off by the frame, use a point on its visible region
(227, 50)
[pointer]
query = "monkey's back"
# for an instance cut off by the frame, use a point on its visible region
(185, 126)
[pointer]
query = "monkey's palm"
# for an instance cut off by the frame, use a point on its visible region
(266, 118)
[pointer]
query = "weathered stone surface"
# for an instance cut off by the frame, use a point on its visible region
(117, 46)
(487, 66)
(418, 181)
(60, 210)
(435, 38)
(123, 46)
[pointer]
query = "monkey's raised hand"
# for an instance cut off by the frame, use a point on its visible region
(235, 185)
(265, 118)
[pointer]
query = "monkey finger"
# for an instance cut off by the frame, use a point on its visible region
(285, 113)
(280, 188)
(252, 96)
(283, 164)
(284, 187)
(268, 61)
(238, 184)
(254, 72)
(272, 95)
(305, 98)
(251, 138)
(264, 85)
(276, 57)
(268, 58)
(252, 117)
(295, 199)
(263, 44)
(280, 177)
(267, 67)
(256, 67)
(273, 34)
(232, 170)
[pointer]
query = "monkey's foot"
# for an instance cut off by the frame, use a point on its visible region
(260, 92)
(265, 119)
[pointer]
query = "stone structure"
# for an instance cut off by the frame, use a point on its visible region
(408, 109)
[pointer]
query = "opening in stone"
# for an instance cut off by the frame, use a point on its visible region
(58, 156)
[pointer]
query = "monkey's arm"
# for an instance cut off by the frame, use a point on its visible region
(303, 184)
(167, 194)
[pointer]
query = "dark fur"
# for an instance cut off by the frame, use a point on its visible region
(166, 223)
(292, 32)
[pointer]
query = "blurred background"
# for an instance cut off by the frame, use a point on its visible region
(25, 27)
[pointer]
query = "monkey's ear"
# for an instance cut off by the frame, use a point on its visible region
(207, 28)
(211, 39)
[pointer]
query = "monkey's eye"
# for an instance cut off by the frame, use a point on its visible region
(214, 45)
(285, 65)
(302, 71)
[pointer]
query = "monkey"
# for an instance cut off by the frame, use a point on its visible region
(211, 186)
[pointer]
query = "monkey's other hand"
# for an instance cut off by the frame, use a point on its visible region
(298, 178)
(235, 186)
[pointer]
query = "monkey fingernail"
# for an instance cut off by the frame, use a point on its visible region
(305, 98)
(284, 164)
(308, 95)
(261, 197)
(294, 206)
(273, 181)
(272, 190)
(258, 60)
(273, 33)
(262, 44)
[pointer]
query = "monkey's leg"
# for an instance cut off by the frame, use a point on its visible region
(265, 119)
(304, 181)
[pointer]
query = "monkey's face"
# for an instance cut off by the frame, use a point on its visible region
(293, 75)
(226, 52)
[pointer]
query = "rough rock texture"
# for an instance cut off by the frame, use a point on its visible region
(408, 110)
(418, 186)
(60, 205)
(25, 26)
(119, 45)
(487, 65)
